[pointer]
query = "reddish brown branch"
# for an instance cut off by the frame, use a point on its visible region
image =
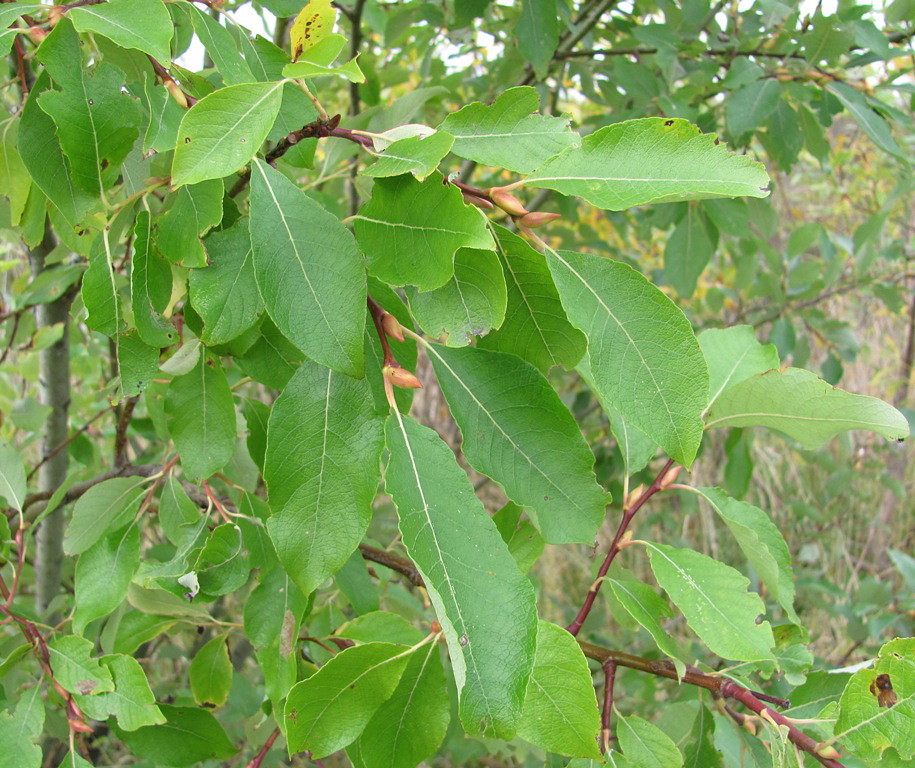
(661, 668)
(609, 668)
(392, 561)
(9, 344)
(75, 718)
(378, 314)
(626, 518)
(120, 435)
(78, 489)
(719, 686)
(262, 753)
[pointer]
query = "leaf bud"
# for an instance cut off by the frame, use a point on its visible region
(54, 15)
(669, 477)
(507, 202)
(391, 326)
(400, 377)
(176, 93)
(479, 202)
(537, 219)
(36, 34)
(829, 752)
(633, 496)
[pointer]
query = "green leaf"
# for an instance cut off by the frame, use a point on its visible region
(714, 599)
(220, 47)
(164, 117)
(222, 565)
(103, 573)
(483, 602)
(535, 325)
(329, 710)
(642, 352)
(700, 750)
(506, 134)
(210, 673)
(517, 431)
(14, 177)
(470, 304)
(272, 359)
(646, 745)
(649, 609)
(75, 669)
(761, 542)
(136, 628)
(201, 419)
(309, 272)
(870, 121)
(732, 355)
(804, 407)
(225, 293)
(560, 711)
(224, 130)
(188, 735)
(274, 606)
(99, 290)
(12, 477)
(827, 41)
(867, 728)
(419, 155)
(97, 121)
(144, 25)
(195, 209)
(175, 510)
(350, 70)
(651, 160)
(256, 415)
(150, 287)
(689, 249)
(356, 585)
(537, 33)
(9, 13)
(41, 154)
(635, 446)
(380, 626)
(138, 363)
(20, 728)
(748, 107)
(410, 230)
(108, 506)
(324, 444)
(411, 725)
(524, 541)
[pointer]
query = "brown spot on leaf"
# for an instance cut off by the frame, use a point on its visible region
(882, 687)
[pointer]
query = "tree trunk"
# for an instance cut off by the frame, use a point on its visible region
(53, 391)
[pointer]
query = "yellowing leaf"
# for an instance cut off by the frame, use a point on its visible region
(314, 22)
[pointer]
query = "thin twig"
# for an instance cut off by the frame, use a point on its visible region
(609, 668)
(377, 314)
(625, 520)
(661, 668)
(78, 489)
(120, 435)
(262, 753)
(60, 446)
